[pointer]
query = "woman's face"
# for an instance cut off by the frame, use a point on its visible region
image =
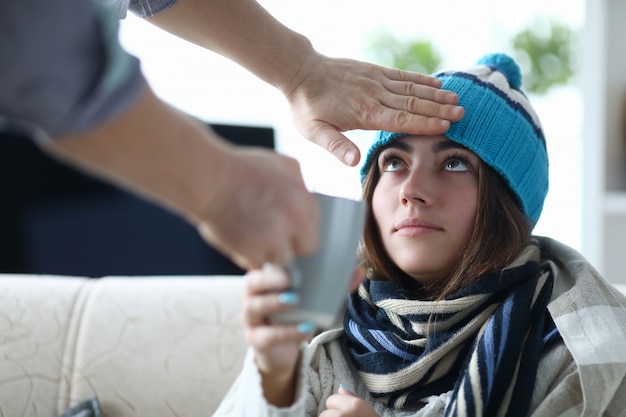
(425, 203)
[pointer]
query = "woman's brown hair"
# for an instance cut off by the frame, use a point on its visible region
(500, 233)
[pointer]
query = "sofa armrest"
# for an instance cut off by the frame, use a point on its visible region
(145, 346)
(621, 287)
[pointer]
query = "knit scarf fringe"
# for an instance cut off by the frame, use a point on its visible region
(473, 342)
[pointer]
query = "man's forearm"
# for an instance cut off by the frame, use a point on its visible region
(153, 150)
(241, 30)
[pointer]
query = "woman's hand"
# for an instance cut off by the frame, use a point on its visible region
(346, 404)
(277, 347)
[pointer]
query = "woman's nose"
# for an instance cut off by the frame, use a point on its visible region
(415, 189)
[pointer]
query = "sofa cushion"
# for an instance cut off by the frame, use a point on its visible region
(141, 345)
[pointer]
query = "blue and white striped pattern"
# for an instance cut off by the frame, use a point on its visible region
(472, 342)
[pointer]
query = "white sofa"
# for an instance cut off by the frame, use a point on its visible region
(149, 347)
(145, 346)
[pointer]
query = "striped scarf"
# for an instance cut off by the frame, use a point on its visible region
(472, 342)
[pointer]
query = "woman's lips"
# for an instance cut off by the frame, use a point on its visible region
(415, 226)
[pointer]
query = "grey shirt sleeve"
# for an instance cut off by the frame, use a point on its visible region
(148, 8)
(140, 8)
(62, 69)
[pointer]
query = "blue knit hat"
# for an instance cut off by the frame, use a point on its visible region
(499, 126)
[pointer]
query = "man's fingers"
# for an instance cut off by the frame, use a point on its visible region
(305, 240)
(331, 139)
(422, 100)
(427, 92)
(412, 77)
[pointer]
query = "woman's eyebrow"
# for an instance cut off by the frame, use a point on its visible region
(437, 147)
(396, 144)
(445, 145)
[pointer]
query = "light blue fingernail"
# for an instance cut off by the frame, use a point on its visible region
(306, 327)
(345, 387)
(288, 297)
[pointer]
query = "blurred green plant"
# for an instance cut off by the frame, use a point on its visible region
(416, 55)
(544, 49)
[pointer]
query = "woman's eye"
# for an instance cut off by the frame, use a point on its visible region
(455, 164)
(393, 164)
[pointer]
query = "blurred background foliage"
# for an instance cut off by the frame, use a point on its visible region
(544, 48)
(417, 55)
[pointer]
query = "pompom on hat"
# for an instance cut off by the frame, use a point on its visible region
(499, 125)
